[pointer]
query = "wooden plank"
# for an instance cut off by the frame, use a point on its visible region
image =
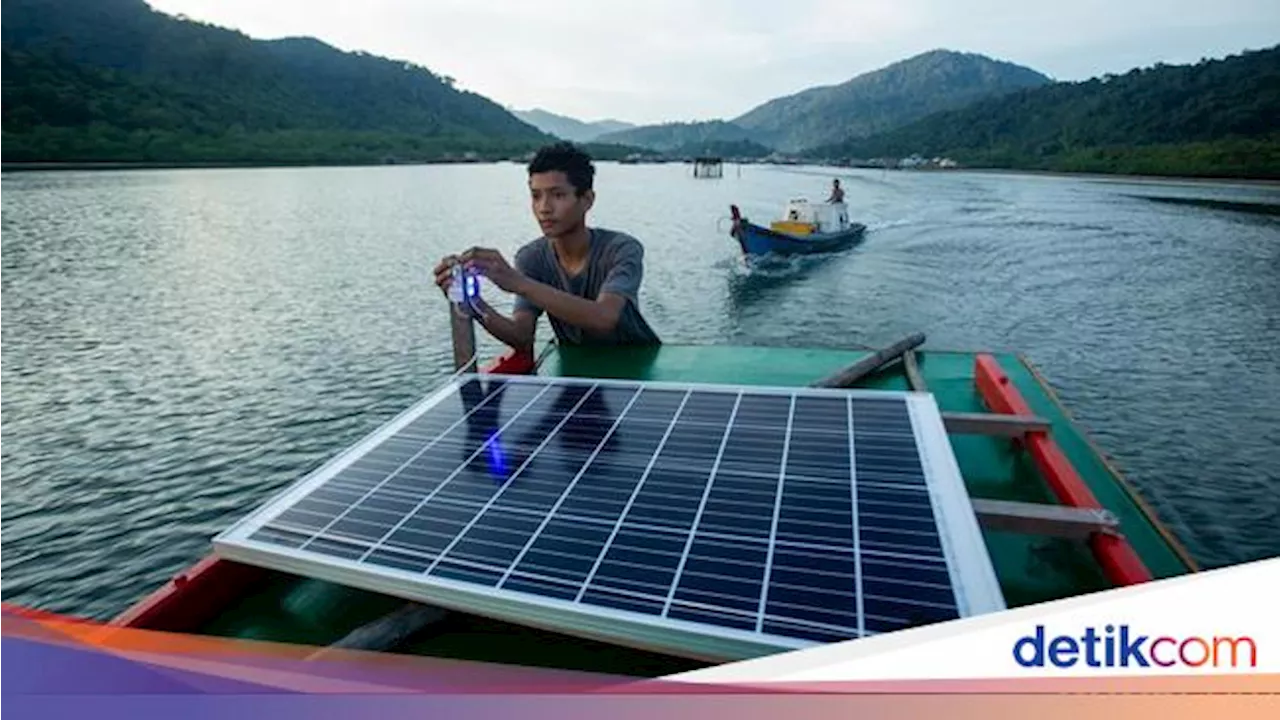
(387, 632)
(914, 379)
(1113, 551)
(463, 330)
(848, 376)
(1039, 519)
(996, 424)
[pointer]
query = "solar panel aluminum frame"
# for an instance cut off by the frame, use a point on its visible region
(973, 578)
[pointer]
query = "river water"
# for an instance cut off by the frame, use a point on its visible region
(178, 345)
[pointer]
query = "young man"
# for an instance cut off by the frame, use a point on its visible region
(587, 280)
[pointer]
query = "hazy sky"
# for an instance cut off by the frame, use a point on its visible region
(650, 61)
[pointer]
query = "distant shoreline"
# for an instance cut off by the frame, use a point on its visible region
(194, 165)
(1097, 176)
(1121, 178)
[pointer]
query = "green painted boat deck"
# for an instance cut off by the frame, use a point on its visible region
(1031, 569)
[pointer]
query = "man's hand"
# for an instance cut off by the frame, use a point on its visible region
(444, 273)
(492, 265)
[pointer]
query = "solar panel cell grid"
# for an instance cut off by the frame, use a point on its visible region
(792, 517)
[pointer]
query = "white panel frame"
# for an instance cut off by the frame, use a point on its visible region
(977, 590)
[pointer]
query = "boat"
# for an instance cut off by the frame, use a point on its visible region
(1058, 520)
(805, 228)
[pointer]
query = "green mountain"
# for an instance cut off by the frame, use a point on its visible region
(568, 128)
(723, 149)
(878, 100)
(1216, 117)
(884, 99)
(114, 80)
(678, 136)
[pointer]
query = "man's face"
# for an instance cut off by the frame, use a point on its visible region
(556, 205)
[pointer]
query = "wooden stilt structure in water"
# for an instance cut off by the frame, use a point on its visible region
(708, 167)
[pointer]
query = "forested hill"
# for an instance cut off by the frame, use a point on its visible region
(874, 101)
(1217, 117)
(884, 99)
(113, 80)
(676, 136)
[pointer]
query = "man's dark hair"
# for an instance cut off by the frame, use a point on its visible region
(568, 159)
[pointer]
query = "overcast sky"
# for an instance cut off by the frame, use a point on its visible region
(647, 61)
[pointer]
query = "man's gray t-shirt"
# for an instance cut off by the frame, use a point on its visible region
(615, 264)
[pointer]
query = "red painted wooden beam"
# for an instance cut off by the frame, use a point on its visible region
(192, 597)
(1114, 553)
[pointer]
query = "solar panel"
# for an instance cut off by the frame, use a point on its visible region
(706, 520)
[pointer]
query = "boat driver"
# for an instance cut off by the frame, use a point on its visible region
(837, 193)
(586, 279)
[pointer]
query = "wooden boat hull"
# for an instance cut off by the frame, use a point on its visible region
(759, 240)
(222, 597)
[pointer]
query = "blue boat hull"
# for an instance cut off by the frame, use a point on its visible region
(757, 240)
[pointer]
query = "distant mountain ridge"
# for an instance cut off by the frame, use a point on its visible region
(667, 137)
(568, 128)
(881, 99)
(884, 99)
(116, 80)
(1216, 117)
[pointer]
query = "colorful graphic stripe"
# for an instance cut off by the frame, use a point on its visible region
(58, 667)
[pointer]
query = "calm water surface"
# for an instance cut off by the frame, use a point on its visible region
(177, 345)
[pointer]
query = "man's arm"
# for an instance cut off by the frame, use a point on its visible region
(516, 331)
(621, 285)
(598, 316)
